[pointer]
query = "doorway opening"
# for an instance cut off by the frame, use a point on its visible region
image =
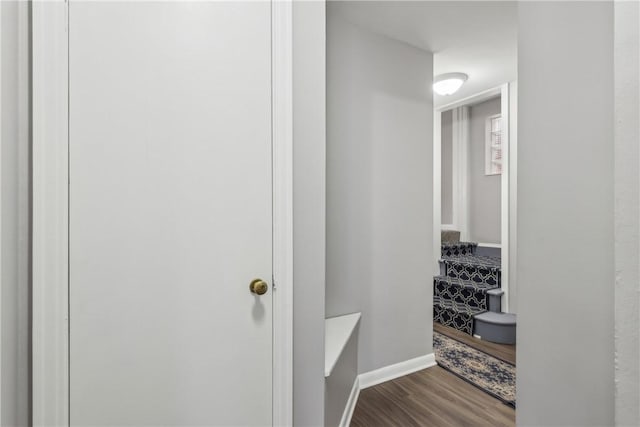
(474, 328)
(384, 192)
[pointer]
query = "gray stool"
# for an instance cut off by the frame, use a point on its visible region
(496, 327)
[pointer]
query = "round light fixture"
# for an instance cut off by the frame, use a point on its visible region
(449, 83)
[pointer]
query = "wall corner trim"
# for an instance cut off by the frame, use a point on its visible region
(394, 371)
(351, 404)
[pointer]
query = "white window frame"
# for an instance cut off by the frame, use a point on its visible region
(489, 147)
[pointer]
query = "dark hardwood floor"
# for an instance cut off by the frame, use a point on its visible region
(435, 397)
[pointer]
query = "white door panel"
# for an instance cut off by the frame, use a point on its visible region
(170, 213)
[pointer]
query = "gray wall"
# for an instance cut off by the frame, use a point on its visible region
(308, 211)
(565, 214)
(513, 196)
(15, 223)
(485, 198)
(446, 166)
(340, 383)
(379, 191)
(627, 214)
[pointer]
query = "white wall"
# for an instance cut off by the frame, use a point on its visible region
(627, 214)
(15, 212)
(308, 211)
(485, 197)
(565, 214)
(379, 191)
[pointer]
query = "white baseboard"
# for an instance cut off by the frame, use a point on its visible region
(351, 404)
(391, 372)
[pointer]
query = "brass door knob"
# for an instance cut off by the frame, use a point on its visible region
(258, 287)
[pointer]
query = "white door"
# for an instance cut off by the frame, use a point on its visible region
(170, 213)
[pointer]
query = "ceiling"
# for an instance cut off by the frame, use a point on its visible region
(478, 38)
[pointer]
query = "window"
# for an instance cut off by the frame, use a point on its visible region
(493, 145)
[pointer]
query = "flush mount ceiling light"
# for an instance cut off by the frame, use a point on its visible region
(449, 83)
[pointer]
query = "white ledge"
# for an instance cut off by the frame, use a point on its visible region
(490, 245)
(337, 331)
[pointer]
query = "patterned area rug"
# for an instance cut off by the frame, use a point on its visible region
(494, 376)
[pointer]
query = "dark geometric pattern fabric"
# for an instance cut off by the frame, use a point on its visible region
(458, 249)
(493, 261)
(462, 291)
(479, 269)
(453, 314)
(494, 376)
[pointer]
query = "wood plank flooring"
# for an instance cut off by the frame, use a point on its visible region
(435, 397)
(501, 351)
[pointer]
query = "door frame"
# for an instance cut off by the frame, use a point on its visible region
(50, 304)
(460, 178)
